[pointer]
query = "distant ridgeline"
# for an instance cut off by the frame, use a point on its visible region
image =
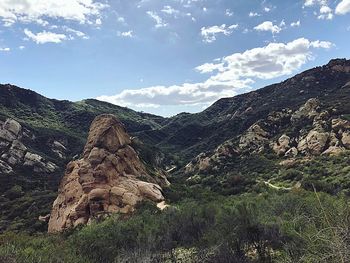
(295, 134)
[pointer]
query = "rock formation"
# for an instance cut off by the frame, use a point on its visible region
(108, 178)
(312, 131)
(14, 153)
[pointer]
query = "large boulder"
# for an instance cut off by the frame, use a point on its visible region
(314, 143)
(109, 178)
(282, 145)
(308, 110)
(12, 126)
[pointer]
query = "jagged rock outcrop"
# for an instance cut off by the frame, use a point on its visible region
(14, 153)
(108, 178)
(254, 139)
(311, 130)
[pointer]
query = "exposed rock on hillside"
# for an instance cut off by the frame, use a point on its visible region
(14, 153)
(108, 178)
(311, 130)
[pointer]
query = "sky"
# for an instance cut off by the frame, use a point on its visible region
(169, 56)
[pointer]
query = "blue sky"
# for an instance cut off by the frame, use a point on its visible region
(168, 56)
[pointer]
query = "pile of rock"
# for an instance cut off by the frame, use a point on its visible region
(108, 178)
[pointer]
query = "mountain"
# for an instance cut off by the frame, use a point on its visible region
(260, 177)
(190, 134)
(235, 146)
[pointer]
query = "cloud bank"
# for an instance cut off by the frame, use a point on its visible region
(229, 76)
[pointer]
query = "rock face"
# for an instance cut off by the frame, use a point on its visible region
(14, 153)
(108, 178)
(312, 130)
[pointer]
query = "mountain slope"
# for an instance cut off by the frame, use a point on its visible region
(58, 131)
(190, 134)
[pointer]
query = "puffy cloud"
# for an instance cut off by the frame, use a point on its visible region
(12, 11)
(159, 21)
(268, 26)
(45, 37)
(325, 11)
(209, 33)
(229, 76)
(343, 7)
(5, 49)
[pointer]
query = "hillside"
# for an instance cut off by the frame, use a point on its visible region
(190, 134)
(260, 166)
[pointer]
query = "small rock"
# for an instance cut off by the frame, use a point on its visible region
(292, 152)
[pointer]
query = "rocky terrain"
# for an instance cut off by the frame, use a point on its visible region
(311, 130)
(14, 153)
(230, 147)
(109, 178)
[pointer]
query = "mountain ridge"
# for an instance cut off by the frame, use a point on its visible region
(162, 143)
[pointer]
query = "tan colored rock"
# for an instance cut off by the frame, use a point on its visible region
(292, 152)
(333, 151)
(333, 139)
(44, 219)
(109, 178)
(308, 110)
(314, 143)
(346, 139)
(282, 145)
(340, 124)
(288, 163)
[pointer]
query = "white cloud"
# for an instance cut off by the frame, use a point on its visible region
(209, 33)
(21, 47)
(315, 2)
(325, 13)
(12, 11)
(228, 12)
(170, 10)
(252, 14)
(159, 21)
(295, 24)
(343, 7)
(45, 37)
(129, 34)
(121, 20)
(75, 32)
(5, 49)
(269, 26)
(229, 76)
